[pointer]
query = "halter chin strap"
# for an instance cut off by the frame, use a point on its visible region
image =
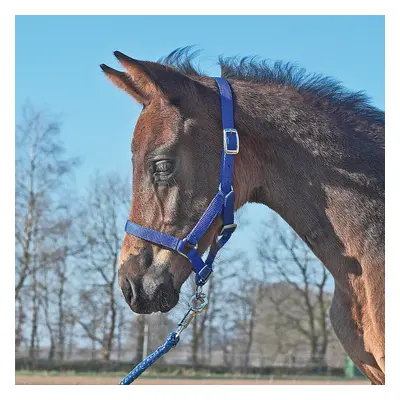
(221, 205)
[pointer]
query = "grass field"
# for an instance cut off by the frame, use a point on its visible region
(37, 378)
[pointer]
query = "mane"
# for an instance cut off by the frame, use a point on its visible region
(254, 70)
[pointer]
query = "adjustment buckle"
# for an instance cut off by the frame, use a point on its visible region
(225, 227)
(203, 275)
(188, 246)
(227, 132)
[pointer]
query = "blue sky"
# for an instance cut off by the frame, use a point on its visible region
(58, 57)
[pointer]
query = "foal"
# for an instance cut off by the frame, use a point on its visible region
(309, 149)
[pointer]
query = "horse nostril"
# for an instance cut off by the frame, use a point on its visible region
(128, 291)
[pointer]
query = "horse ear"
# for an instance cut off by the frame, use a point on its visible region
(151, 79)
(124, 82)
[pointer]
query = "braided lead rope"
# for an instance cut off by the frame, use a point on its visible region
(172, 341)
(197, 304)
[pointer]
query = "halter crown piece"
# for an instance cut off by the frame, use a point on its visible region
(221, 205)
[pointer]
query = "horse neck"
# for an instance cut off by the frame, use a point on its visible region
(295, 159)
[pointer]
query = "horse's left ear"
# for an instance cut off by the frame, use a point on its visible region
(152, 78)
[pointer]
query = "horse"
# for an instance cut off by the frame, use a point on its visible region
(310, 150)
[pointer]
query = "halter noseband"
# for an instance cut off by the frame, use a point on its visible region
(221, 205)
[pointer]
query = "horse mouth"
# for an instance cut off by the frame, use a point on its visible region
(163, 302)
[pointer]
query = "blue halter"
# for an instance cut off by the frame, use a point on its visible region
(221, 205)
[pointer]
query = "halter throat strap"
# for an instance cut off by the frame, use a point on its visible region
(221, 205)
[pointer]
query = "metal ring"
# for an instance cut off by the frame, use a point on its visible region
(188, 244)
(198, 302)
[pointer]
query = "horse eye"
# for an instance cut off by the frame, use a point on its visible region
(163, 166)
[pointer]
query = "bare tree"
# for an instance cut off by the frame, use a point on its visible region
(139, 328)
(224, 336)
(248, 302)
(121, 330)
(20, 318)
(303, 308)
(70, 333)
(199, 326)
(107, 204)
(41, 168)
(33, 344)
(45, 302)
(90, 317)
(41, 171)
(203, 325)
(55, 281)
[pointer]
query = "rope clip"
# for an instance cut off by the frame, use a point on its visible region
(197, 304)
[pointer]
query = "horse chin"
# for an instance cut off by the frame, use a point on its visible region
(153, 310)
(165, 309)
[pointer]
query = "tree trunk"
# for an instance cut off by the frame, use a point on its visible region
(28, 231)
(19, 327)
(233, 357)
(211, 315)
(209, 355)
(71, 340)
(200, 332)
(93, 350)
(323, 320)
(113, 311)
(195, 342)
(34, 322)
(94, 340)
(119, 335)
(141, 319)
(61, 314)
(45, 302)
(249, 340)
(52, 349)
(314, 361)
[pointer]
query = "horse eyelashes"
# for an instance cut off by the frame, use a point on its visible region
(164, 166)
(162, 170)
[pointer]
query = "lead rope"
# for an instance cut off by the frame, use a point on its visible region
(197, 304)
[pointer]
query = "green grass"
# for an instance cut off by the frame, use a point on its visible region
(179, 374)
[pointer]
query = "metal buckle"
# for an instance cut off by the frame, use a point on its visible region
(188, 244)
(234, 226)
(220, 189)
(197, 304)
(229, 151)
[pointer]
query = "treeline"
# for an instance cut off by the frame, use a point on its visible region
(268, 309)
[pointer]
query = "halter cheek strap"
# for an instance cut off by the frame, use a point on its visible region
(221, 205)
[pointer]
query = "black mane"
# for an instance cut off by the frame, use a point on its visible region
(252, 69)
